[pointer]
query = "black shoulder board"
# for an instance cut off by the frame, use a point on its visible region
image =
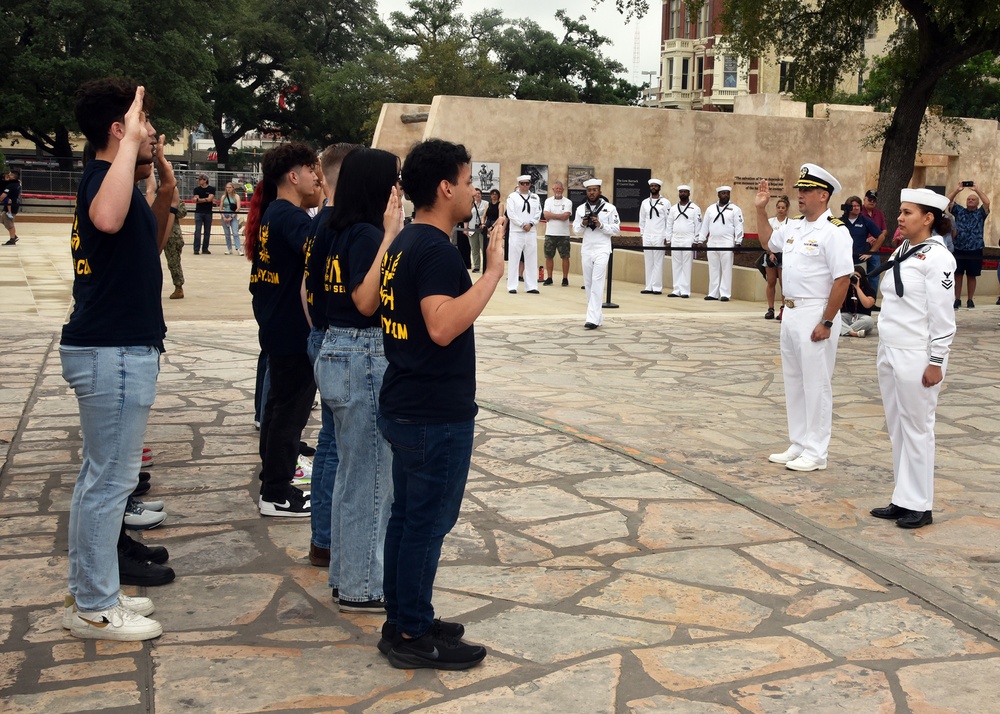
(835, 221)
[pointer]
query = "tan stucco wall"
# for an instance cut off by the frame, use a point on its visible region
(704, 149)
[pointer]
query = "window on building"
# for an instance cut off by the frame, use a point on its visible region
(675, 19)
(729, 69)
(700, 75)
(786, 81)
(703, 25)
(872, 28)
(670, 73)
(861, 80)
(685, 71)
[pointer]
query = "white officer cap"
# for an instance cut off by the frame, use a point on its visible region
(924, 197)
(813, 176)
(592, 182)
(525, 177)
(724, 188)
(684, 187)
(658, 182)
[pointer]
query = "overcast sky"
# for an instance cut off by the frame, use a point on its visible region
(605, 19)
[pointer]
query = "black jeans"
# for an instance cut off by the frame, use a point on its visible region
(286, 413)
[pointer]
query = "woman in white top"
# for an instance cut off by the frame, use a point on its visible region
(772, 261)
(230, 204)
(916, 327)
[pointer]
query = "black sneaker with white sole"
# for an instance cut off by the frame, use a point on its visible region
(361, 606)
(390, 636)
(295, 504)
(435, 651)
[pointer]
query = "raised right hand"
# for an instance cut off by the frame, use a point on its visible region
(763, 195)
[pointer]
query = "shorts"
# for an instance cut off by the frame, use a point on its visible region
(8, 223)
(775, 264)
(969, 262)
(552, 243)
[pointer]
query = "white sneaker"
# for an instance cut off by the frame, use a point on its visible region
(305, 465)
(115, 623)
(785, 456)
(138, 605)
(138, 518)
(861, 333)
(229, 252)
(804, 464)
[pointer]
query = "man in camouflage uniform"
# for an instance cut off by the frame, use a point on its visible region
(172, 251)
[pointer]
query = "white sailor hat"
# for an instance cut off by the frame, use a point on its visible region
(813, 176)
(658, 182)
(684, 187)
(592, 182)
(924, 197)
(524, 177)
(720, 189)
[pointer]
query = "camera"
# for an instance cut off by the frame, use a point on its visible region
(590, 221)
(846, 207)
(968, 184)
(854, 279)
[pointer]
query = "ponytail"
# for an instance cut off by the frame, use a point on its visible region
(265, 192)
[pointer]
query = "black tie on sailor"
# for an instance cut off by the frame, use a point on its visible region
(527, 204)
(719, 215)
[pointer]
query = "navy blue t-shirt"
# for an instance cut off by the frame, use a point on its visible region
(860, 231)
(117, 276)
(424, 383)
(276, 278)
(351, 256)
(317, 251)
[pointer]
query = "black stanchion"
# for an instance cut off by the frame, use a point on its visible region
(611, 265)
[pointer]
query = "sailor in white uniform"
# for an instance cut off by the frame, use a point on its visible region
(683, 226)
(596, 220)
(816, 270)
(524, 208)
(653, 216)
(916, 327)
(722, 227)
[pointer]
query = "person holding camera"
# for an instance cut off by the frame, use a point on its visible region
(969, 223)
(856, 313)
(916, 328)
(865, 234)
(597, 220)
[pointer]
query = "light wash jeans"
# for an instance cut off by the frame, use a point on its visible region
(231, 229)
(349, 373)
(325, 460)
(115, 388)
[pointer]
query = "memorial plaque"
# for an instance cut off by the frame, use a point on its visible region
(631, 188)
(745, 185)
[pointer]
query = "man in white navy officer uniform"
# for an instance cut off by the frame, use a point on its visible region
(653, 215)
(596, 220)
(721, 228)
(816, 272)
(523, 211)
(683, 226)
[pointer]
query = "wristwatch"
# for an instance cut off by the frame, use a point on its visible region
(828, 324)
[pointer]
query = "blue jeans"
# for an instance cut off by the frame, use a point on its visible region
(349, 373)
(324, 461)
(430, 465)
(202, 221)
(231, 229)
(115, 388)
(873, 264)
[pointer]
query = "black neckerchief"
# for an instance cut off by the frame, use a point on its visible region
(652, 206)
(526, 208)
(683, 211)
(719, 215)
(898, 257)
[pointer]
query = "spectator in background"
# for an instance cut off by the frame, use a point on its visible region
(969, 223)
(772, 261)
(230, 204)
(10, 204)
(865, 235)
(474, 230)
(872, 211)
(558, 211)
(856, 313)
(204, 201)
(494, 211)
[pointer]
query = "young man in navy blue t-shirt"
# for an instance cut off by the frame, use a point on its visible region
(427, 401)
(110, 348)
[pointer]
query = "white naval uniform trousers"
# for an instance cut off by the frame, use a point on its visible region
(813, 256)
(594, 254)
(921, 326)
(523, 241)
(723, 228)
(683, 227)
(653, 216)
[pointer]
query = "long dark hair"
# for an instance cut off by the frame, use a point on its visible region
(366, 180)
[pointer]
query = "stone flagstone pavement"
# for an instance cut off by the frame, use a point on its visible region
(624, 545)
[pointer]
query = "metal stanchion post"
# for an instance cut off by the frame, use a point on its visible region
(611, 265)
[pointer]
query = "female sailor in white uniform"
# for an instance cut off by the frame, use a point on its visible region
(916, 327)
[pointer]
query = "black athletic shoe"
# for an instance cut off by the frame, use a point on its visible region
(306, 450)
(157, 553)
(435, 651)
(390, 637)
(133, 570)
(548, 281)
(295, 504)
(142, 488)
